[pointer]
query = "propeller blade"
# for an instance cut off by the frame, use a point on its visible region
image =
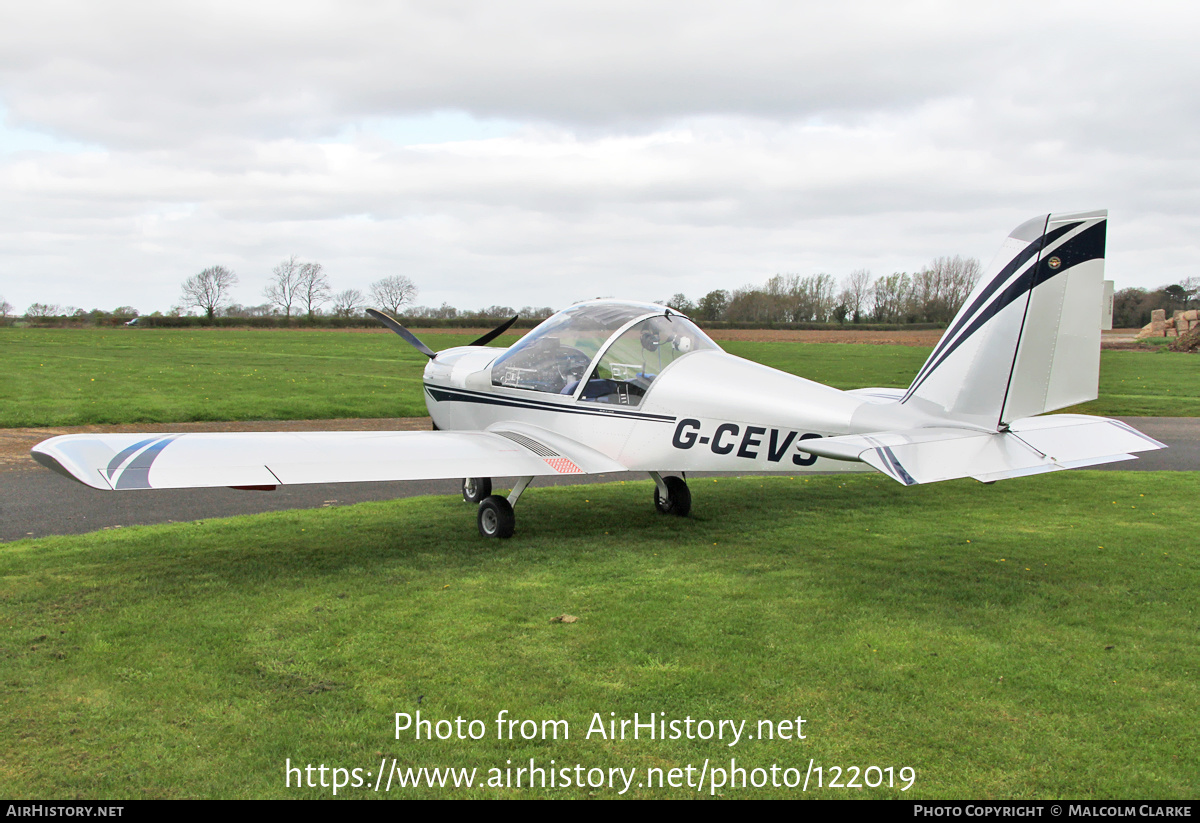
(496, 332)
(392, 324)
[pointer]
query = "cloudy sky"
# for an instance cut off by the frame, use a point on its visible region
(541, 152)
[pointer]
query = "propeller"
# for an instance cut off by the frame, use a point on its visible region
(395, 326)
(496, 332)
(412, 339)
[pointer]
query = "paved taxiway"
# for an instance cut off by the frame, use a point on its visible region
(35, 502)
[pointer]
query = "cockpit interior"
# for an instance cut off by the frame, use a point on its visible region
(619, 347)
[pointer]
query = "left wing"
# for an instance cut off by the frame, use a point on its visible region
(175, 461)
(1030, 446)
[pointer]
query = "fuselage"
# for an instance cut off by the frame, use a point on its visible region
(704, 410)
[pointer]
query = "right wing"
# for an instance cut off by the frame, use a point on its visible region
(266, 459)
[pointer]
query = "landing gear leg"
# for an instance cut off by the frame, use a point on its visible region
(496, 518)
(671, 495)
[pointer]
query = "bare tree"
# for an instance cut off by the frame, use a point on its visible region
(393, 292)
(349, 303)
(534, 312)
(42, 310)
(5, 309)
(856, 294)
(281, 291)
(313, 287)
(237, 310)
(208, 289)
(785, 298)
(891, 296)
(495, 312)
(813, 298)
(943, 286)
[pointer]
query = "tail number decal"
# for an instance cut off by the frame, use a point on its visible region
(749, 443)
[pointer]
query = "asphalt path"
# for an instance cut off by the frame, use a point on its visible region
(36, 502)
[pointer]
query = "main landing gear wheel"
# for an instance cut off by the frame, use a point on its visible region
(679, 498)
(476, 488)
(496, 518)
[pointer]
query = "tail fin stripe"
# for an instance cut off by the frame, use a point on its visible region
(1015, 291)
(1087, 245)
(1002, 277)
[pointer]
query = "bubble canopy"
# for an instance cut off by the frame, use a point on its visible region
(621, 347)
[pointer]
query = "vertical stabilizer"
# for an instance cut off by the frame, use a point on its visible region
(1027, 340)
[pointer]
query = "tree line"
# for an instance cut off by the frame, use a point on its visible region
(294, 285)
(931, 296)
(299, 287)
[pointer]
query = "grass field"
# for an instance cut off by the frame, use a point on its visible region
(1031, 639)
(68, 377)
(56, 377)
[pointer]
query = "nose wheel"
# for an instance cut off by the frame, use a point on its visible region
(671, 495)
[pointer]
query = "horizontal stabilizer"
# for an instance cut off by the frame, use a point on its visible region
(1031, 446)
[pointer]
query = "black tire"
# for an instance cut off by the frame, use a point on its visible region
(679, 497)
(496, 518)
(476, 488)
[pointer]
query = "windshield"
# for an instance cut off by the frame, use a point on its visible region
(628, 367)
(557, 353)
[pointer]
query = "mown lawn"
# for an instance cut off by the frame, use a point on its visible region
(77, 376)
(56, 377)
(1032, 639)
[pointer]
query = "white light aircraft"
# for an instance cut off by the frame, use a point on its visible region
(609, 386)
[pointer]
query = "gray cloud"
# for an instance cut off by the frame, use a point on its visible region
(654, 147)
(153, 74)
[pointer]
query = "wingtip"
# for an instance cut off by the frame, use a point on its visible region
(49, 460)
